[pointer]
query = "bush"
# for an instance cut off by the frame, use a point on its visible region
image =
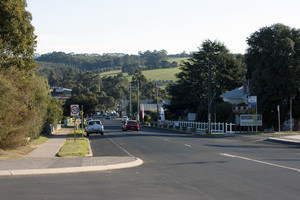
(24, 98)
(54, 112)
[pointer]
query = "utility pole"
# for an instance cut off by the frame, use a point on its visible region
(291, 118)
(130, 109)
(278, 110)
(138, 107)
(82, 120)
(209, 96)
(157, 105)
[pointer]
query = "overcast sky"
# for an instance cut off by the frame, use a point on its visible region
(129, 26)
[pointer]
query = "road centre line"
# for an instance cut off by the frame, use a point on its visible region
(187, 145)
(258, 161)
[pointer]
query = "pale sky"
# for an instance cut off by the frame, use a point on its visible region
(130, 26)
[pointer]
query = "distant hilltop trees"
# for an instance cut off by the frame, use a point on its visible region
(110, 61)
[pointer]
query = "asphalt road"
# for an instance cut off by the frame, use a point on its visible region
(176, 166)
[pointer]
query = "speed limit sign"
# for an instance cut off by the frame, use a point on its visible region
(74, 109)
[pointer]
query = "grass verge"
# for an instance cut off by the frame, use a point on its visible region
(23, 150)
(71, 147)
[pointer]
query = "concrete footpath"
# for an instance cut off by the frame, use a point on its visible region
(288, 139)
(43, 160)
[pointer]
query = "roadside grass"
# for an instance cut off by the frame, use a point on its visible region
(74, 148)
(271, 134)
(71, 147)
(78, 134)
(23, 150)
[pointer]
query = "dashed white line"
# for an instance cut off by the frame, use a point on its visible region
(258, 161)
(187, 145)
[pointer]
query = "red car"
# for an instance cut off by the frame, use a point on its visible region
(131, 125)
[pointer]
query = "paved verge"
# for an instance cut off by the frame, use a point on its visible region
(43, 160)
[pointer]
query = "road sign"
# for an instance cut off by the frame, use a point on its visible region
(251, 120)
(74, 110)
(252, 101)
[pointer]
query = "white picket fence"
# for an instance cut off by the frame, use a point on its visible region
(216, 127)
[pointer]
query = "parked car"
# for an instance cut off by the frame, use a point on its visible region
(94, 126)
(131, 125)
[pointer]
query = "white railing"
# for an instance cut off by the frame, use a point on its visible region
(230, 125)
(216, 127)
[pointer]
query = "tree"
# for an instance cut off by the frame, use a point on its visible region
(23, 107)
(273, 62)
(24, 96)
(192, 85)
(54, 112)
(17, 39)
(153, 60)
(89, 102)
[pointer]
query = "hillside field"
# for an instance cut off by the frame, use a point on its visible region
(156, 74)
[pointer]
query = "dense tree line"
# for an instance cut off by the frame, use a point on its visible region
(108, 62)
(24, 96)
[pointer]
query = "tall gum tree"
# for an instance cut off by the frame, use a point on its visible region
(17, 39)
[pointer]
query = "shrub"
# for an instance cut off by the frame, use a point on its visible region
(24, 99)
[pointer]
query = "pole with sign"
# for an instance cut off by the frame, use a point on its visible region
(82, 120)
(74, 111)
(252, 103)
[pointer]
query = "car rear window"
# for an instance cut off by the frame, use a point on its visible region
(94, 122)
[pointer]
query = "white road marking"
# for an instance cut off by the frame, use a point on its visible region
(166, 139)
(120, 147)
(258, 161)
(187, 145)
(258, 140)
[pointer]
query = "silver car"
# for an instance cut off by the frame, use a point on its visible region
(94, 126)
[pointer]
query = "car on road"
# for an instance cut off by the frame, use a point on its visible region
(94, 126)
(131, 125)
(124, 119)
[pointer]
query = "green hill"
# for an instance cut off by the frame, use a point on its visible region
(165, 75)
